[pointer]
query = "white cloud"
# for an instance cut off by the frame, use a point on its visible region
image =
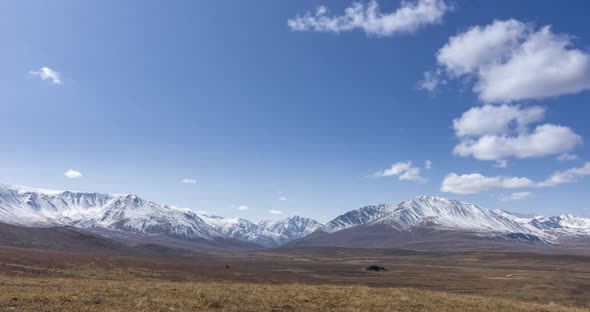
(475, 183)
(202, 212)
(47, 73)
(275, 212)
(567, 157)
(404, 170)
(283, 198)
(428, 164)
(490, 119)
(466, 52)
(547, 139)
(411, 16)
(500, 132)
(242, 207)
(188, 181)
(431, 81)
(501, 164)
(567, 176)
(512, 61)
(72, 174)
(517, 196)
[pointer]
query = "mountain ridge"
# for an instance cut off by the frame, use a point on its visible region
(130, 213)
(422, 216)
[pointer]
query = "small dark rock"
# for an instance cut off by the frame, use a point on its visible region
(375, 268)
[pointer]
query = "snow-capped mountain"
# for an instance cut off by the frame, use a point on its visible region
(409, 220)
(427, 211)
(414, 218)
(556, 225)
(360, 216)
(431, 223)
(268, 233)
(131, 214)
(241, 229)
(37, 207)
(291, 228)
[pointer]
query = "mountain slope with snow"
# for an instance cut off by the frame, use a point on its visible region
(425, 220)
(37, 208)
(563, 225)
(129, 213)
(268, 233)
(414, 220)
(291, 228)
(428, 211)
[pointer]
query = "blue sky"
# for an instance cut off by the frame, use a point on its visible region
(323, 112)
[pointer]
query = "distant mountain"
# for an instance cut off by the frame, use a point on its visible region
(269, 233)
(132, 215)
(123, 212)
(430, 221)
(556, 226)
(291, 228)
(427, 211)
(427, 221)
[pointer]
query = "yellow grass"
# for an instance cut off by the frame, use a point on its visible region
(89, 294)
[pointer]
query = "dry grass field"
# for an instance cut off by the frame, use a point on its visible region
(87, 294)
(293, 280)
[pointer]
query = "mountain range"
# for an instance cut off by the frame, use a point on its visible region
(132, 215)
(423, 222)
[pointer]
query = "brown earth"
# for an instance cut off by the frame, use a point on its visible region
(303, 279)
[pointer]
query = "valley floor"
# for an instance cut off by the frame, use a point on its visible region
(318, 279)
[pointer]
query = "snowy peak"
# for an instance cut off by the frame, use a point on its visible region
(569, 221)
(37, 207)
(237, 228)
(291, 228)
(268, 233)
(431, 212)
(133, 215)
(130, 213)
(360, 216)
(449, 214)
(556, 225)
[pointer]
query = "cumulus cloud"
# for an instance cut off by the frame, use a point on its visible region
(72, 174)
(567, 176)
(517, 196)
(242, 207)
(188, 181)
(283, 198)
(404, 171)
(499, 132)
(275, 212)
(428, 164)
(46, 73)
(411, 16)
(476, 183)
(467, 52)
(545, 140)
(510, 61)
(567, 157)
(490, 119)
